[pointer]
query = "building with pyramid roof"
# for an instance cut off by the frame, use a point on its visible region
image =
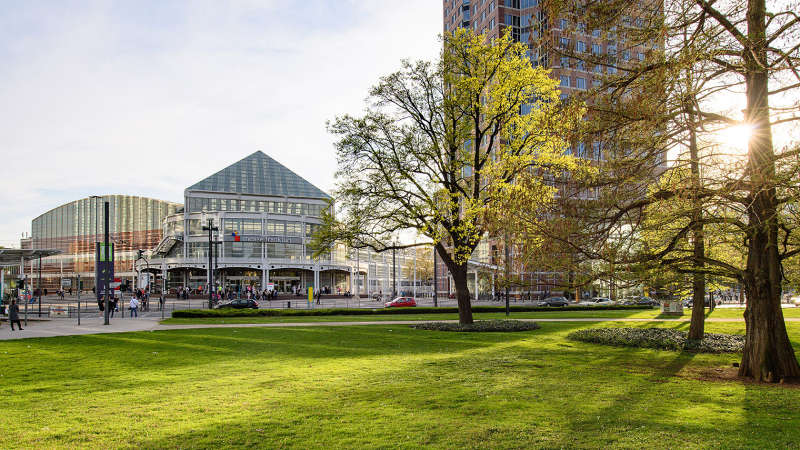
(264, 215)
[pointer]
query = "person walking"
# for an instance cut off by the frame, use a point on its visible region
(13, 315)
(134, 307)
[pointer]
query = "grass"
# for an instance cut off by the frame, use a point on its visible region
(380, 386)
(720, 313)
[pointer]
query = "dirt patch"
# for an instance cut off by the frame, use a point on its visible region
(730, 374)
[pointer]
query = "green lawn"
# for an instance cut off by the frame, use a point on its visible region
(379, 386)
(725, 313)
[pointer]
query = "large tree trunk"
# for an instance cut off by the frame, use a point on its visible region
(459, 273)
(697, 325)
(768, 354)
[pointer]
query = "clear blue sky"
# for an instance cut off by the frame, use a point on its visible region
(148, 97)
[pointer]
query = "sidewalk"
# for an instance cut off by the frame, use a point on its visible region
(94, 325)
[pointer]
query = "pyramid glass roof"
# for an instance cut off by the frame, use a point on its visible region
(258, 174)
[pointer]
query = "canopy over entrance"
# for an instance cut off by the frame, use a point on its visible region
(13, 256)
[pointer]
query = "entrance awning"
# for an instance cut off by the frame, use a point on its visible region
(13, 256)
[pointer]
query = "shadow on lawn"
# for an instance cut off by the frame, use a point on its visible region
(488, 385)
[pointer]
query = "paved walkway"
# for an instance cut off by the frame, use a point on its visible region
(94, 325)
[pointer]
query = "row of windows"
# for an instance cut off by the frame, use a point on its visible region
(196, 204)
(250, 250)
(581, 151)
(246, 227)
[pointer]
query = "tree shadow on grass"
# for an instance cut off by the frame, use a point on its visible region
(512, 393)
(105, 361)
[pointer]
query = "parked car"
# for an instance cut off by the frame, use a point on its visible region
(598, 301)
(401, 302)
(554, 301)
(689, 302)
(240, 303)
(647, 301)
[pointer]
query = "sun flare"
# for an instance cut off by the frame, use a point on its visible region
(735, 137)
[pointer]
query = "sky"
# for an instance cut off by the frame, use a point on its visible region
(142, 97)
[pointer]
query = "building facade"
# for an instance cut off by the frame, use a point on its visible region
(264, 215)
(580, 59)
(75, 227)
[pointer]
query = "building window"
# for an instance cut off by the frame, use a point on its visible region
(565, 80)
(581, 47)
(565, 61)
(596, 50)
(580, 83)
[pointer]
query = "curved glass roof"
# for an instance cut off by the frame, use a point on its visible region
(258, 174)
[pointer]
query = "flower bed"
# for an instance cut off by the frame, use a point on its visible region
(480, 325)
(660, 338)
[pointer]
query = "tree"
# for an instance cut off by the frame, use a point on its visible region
(726, 49)
(439, 146)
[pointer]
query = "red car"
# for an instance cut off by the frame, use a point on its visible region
(401, 302)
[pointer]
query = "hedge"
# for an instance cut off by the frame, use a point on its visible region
(231, 312)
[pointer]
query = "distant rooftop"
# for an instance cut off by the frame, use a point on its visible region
(258, 174)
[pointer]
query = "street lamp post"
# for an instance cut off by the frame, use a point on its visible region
(211, 229)
(95, 199)
(40, 286)
(394, 277)
(508, 274)
(109, 257)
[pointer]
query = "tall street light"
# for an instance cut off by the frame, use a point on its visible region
(95, 199)
(211, 229)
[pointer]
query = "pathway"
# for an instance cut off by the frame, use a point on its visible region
(94, 325)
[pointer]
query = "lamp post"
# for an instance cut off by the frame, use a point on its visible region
(211, 229)
(508, 274)
(394, 277)
(96, 240)
(109, 256)
(435, 279)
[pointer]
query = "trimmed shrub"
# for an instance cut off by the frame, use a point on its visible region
(231, 312)
(480, 325)
(660, 338)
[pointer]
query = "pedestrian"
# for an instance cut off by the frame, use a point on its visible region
(134, 307)
(13, 315)
(160, 302)
(112, 306)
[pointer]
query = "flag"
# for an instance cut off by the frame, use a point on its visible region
(236, 237)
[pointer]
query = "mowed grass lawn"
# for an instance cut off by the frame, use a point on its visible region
(380, 386)
(719, 313)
